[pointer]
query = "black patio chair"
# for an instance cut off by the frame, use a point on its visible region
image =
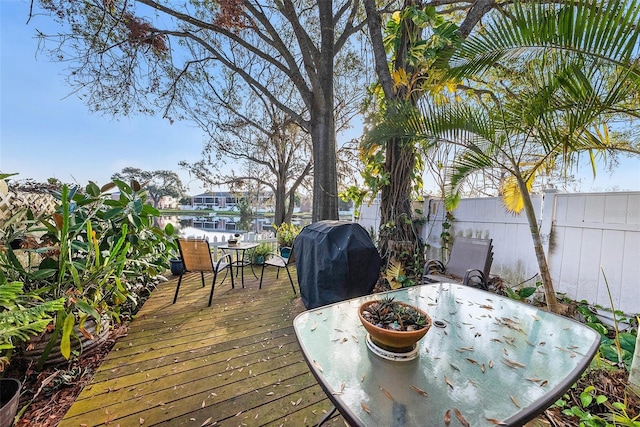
(277, 260)
(469, 263)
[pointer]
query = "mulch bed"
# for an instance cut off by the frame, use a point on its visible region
(49, 394)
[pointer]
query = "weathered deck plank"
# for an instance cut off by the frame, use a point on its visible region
(234, 363)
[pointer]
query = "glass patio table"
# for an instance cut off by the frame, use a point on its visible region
(491, 360)
(240, 262)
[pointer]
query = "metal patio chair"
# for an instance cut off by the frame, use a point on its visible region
(277, 260)
(469, 263)
(196, 257)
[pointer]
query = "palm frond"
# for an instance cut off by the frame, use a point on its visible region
(606, 31)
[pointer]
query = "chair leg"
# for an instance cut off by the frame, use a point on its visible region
(175, 297)
(261, 274)
(213, 285)
(290, 279)
(202, 278)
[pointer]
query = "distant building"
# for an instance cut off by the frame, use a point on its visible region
(224, 200)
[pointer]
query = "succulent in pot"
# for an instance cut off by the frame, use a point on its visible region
(394, 325)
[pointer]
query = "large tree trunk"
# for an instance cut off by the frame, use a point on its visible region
(547, 283)
(323, 128)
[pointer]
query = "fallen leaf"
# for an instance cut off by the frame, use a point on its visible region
(448, 381)
(419, 390)
(447, 417)
(495, 422)
(141, 421)
(365, 407)
(460, 418)
(314, 326)
(386, 393)
(515, 401)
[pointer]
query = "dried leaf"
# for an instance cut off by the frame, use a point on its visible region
(460, 418)
(448, 381)
(419, 390)
(141, 421)
(544, 383)
(482, 368)
(317, 365)
(471, 361)
(447, 417)
(512, 363)
(490, 363)
(203, 404)
(495, 422)
(515, 401)
(314, 326)
(462, 349)
(365, 407)
(386, 393)
(207, 421)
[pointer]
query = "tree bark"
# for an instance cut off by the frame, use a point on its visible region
(547, 283)
(323, 128)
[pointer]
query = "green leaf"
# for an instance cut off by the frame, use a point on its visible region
(526, 292)
(585, 399)
(65, 339)
(627, 341)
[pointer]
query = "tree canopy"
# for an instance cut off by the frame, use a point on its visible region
(157, 183)
(155, 56)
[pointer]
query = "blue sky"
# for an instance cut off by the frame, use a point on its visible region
(46, 132)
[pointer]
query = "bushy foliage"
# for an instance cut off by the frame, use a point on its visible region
(92, 252)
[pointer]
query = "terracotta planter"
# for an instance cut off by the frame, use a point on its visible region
(9, 399)
(390, 339)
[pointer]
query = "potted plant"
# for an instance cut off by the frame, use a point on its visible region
(259, 254)
(286, 233)
(176, 265)
(394, 325)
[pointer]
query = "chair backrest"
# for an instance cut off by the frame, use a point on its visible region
(195, 254)
(468, 253)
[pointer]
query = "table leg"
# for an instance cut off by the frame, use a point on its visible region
(327, 416)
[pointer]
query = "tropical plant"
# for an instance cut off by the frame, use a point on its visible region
(286, 233)
(92, 251)
(21, 316)
(570, 73)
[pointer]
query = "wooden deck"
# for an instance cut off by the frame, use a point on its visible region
(236, 363)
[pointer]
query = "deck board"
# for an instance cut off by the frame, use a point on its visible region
(235, 363)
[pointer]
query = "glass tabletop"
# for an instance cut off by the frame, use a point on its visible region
(495, 360)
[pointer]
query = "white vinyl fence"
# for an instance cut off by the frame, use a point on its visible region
(585, 235)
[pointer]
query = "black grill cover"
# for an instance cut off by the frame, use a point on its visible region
(335, 260)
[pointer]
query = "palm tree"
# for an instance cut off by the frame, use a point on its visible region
(572, 71)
